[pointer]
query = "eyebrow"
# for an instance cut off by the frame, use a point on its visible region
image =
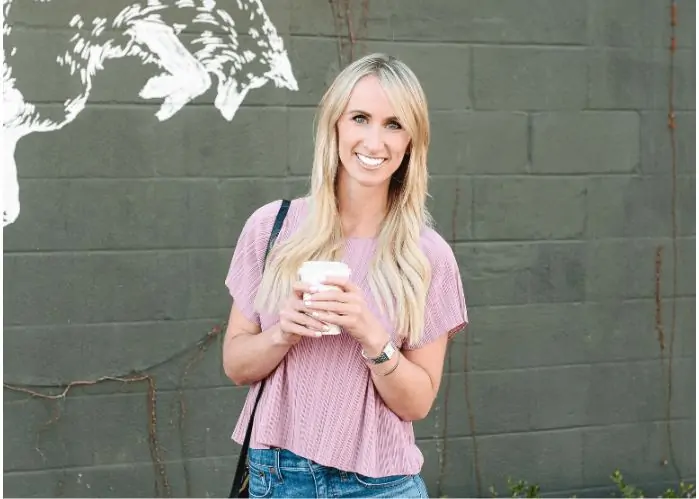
(359, 111)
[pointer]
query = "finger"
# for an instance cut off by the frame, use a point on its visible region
(341, 282)
(327, 306)
(293, 306)
(300, 288)
(329, 295)
(308, 322)
(332, 318)
(298, 329)
(295, 314)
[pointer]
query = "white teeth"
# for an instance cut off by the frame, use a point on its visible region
(369, 161)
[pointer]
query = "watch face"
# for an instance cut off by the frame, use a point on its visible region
(387, 353)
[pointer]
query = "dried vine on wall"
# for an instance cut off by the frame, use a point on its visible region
(467, 391)
(666, 358)
(346, 32)
(162, 487)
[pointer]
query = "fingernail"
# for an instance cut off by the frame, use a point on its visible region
(326, 328)
(314, 314)
(318, 334)
(307, 303)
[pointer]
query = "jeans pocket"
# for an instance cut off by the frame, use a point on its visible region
(260, 484)
(384, 481)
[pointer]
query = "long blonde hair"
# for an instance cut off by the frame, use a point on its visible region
(400, 272)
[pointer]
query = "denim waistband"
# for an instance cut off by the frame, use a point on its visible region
(275, 457)
(276, 472)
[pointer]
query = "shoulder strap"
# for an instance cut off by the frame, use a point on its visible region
(277, 227)
(242, 460)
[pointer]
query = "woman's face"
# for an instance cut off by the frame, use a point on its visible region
(371, 140)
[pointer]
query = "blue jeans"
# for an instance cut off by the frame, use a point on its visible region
(281, 473)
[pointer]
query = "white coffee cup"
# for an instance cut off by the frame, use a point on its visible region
(315, 271)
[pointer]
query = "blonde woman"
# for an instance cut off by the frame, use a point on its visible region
(335, 416)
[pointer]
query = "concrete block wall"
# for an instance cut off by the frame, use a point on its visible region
(551, 173)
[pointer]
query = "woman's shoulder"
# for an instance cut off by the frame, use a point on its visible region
(436, 248)
(262, 218)
(263, 215)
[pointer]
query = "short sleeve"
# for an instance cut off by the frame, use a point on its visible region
(445, 310)
(246, 267)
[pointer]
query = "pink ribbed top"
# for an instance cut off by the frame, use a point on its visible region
(320, 402)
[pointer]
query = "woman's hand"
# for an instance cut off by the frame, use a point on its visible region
(348, 309)
(294, 322)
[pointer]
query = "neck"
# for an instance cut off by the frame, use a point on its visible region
(362, 209)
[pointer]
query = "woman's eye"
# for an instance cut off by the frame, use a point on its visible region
(360, 119)
(394, 125)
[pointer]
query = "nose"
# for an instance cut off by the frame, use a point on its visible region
(373, 139)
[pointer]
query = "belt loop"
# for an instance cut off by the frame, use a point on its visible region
(277, 464)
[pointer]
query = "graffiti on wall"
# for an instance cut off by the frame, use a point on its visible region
(189, 44)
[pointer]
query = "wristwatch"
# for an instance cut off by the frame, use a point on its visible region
(386, 354)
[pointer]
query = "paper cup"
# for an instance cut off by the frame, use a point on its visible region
(315, 271)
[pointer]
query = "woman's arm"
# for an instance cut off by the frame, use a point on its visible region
(250, 354)
(412, 383)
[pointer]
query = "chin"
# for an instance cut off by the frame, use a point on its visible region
(368, 178)
(372, 182)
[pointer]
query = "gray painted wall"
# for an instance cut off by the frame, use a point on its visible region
(551, 172)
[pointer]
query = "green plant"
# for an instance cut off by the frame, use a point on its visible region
(520, 488)
(625, 489)
(523, 489)
(686, 490)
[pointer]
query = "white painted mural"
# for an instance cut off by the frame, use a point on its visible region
(190, 45)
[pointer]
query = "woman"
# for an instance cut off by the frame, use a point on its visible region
(335, 417)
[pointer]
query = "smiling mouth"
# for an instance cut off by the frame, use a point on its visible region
(370, 162)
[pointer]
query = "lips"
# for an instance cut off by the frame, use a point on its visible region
(369, 161)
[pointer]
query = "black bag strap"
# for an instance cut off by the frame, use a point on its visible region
(242, 460)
